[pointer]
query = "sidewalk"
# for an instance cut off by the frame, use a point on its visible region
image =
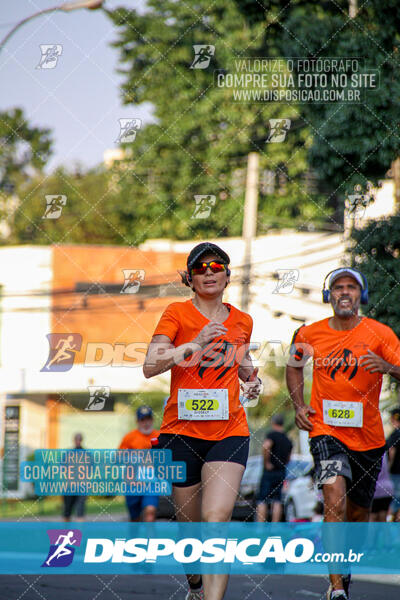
(93, 518)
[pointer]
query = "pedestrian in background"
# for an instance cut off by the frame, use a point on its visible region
(75, 502)
(277, 449)
(383, 493)
(141, 508)
(393, 444)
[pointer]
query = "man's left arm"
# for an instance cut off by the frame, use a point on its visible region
(388, 361)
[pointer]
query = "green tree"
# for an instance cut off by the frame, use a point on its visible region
(376, 252)
(351, 144)
(201, 138)
(24, 149)
(88, 216)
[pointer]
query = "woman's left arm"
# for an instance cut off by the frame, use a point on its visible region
(252, 384)
(246, 367)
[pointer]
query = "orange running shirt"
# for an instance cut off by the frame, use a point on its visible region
(337, 375)
(216, 366)
(136, 440)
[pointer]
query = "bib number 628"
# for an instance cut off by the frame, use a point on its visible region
(340, 413)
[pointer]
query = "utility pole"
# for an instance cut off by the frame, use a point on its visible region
(396, 179)
(65, 7)
(249, 223)
(353, 9)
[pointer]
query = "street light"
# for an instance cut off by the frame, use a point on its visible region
(91, 4)
(65, 7)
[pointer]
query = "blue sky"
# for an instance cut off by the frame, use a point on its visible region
(79, 99)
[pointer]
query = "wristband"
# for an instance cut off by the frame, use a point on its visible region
(251, 375)
(258, 379)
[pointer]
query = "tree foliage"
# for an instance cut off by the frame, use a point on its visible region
(88, 216)
(376, 252)
(24, 149)
(200, 139)
(351, 144)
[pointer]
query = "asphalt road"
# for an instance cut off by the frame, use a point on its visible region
(173, 587)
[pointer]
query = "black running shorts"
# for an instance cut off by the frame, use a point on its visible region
(360, 468)
(195, 452)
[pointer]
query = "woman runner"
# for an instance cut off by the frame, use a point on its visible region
(204, 342)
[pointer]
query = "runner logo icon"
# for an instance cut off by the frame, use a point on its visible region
(61, 551)
(279, 129)
(287, 279)
(50, 54)
(62, 351)
(133, 279)
(54, 206)
(329, 471)
(204, 204)
(202, 56)
(98, 397)
(127, 130)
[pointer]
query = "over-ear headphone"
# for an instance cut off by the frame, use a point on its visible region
(326, 293)
(228, 272)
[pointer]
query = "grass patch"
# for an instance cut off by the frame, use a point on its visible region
(52, 506)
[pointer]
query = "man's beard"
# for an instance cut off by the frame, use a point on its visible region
(348, 311)
(146, 430)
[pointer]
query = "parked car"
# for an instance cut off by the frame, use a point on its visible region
(299, 493)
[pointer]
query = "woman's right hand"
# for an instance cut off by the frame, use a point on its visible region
(209, 332)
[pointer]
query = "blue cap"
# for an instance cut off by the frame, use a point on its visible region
(350, 273)
(144, 412)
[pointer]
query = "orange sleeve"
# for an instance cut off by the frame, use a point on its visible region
(168, 324)
(300, 349)
(390, 347)
(124, 445)
(250, 330)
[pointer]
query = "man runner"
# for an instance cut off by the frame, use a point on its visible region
(350, 354)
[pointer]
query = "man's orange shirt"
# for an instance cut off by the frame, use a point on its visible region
(337, 375)
(136, 440)
(217, 367)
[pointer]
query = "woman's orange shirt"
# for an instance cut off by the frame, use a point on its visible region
(216, 366)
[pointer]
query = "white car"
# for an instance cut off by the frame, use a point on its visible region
(299, 493)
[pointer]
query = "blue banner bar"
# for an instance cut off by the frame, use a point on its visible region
(170, 547)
